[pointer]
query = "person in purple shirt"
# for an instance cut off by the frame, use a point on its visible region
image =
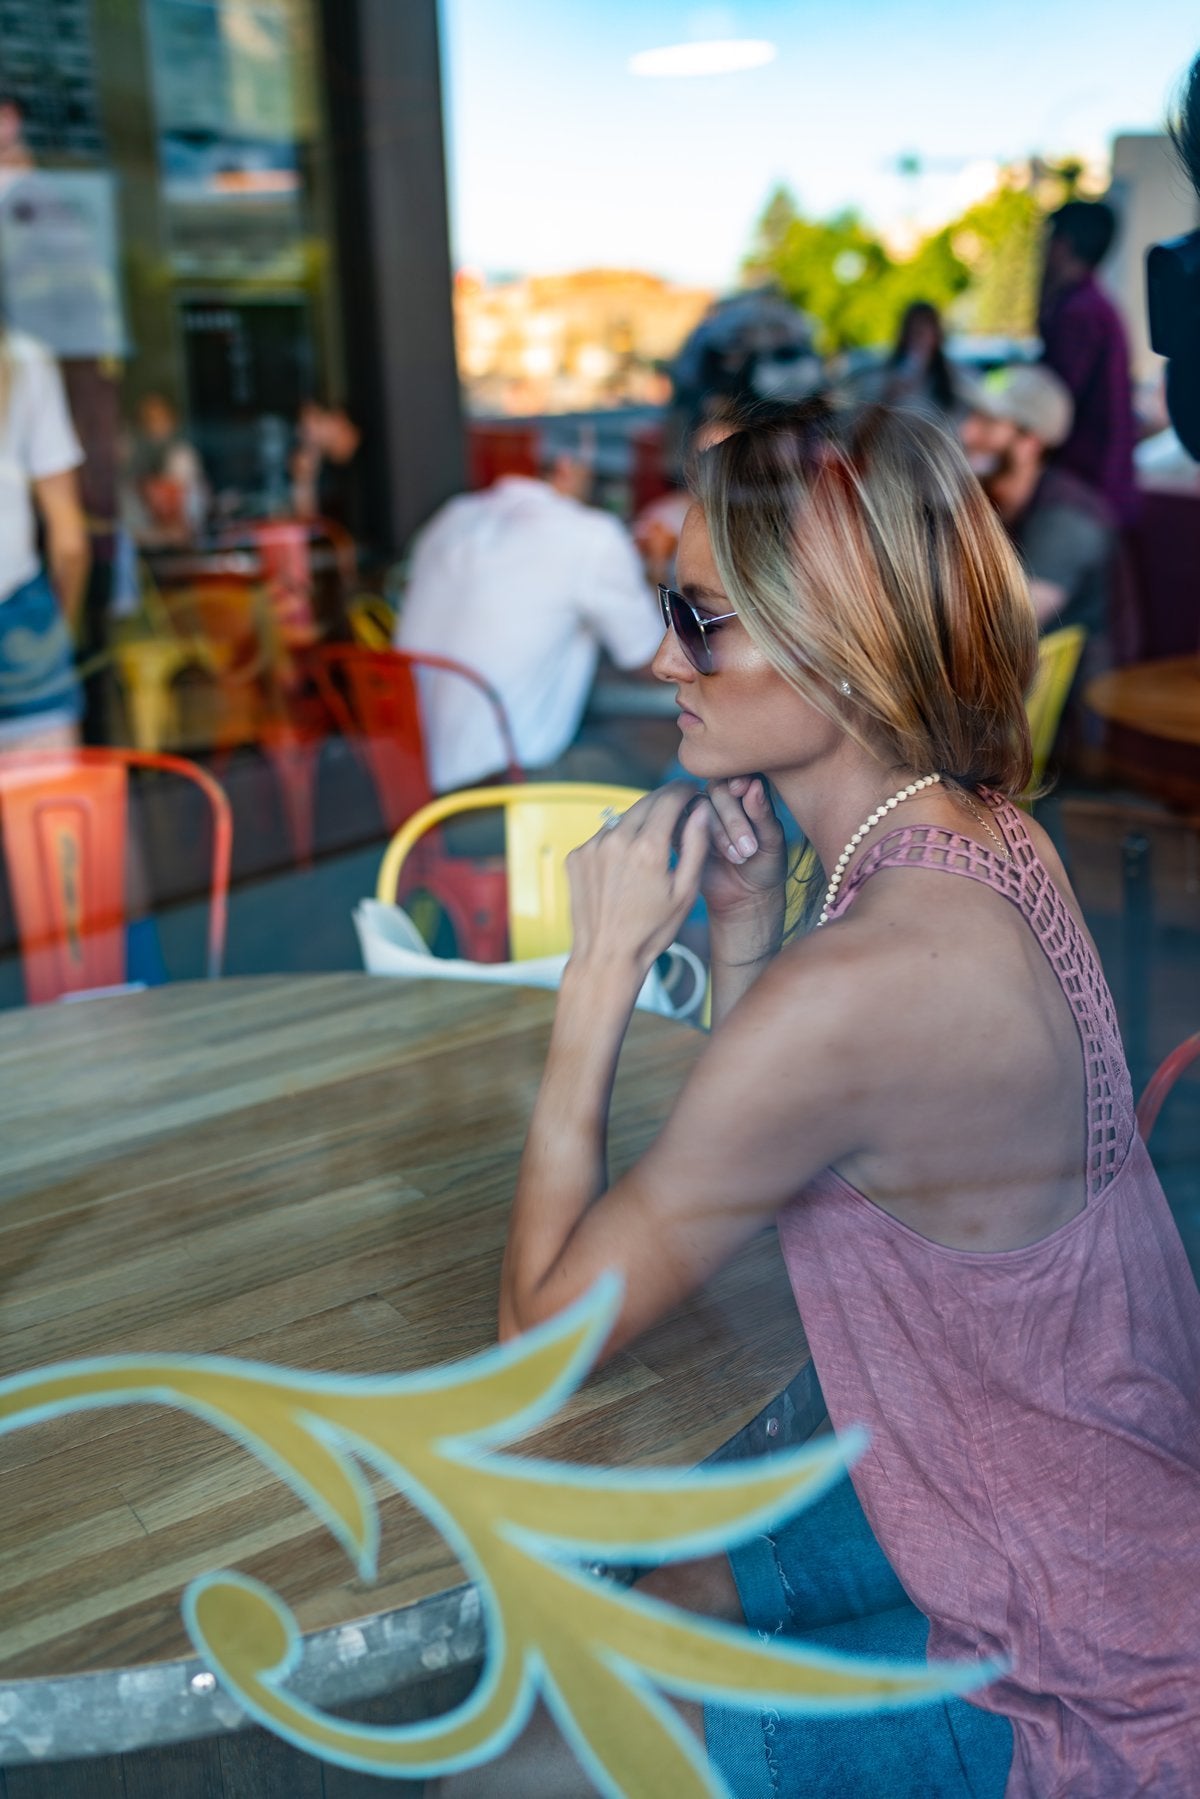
(1084, 343)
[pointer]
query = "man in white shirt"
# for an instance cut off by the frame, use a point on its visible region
(525, 584)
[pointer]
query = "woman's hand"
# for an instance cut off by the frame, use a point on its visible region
(747, 863)
(629, 895)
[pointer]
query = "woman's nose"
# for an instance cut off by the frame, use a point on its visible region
(670, 663)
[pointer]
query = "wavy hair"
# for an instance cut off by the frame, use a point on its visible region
(857, 546)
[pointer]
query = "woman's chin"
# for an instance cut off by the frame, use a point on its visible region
(694, 761)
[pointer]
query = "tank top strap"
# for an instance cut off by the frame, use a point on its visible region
(1025, 881)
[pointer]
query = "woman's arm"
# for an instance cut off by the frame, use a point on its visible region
(777, 1095)
(766, 1106)
(626, 904)
(743, 889)
(68, 553)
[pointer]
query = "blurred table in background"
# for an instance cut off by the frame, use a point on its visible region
(1152, 710)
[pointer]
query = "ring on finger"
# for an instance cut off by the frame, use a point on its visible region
(610, 819)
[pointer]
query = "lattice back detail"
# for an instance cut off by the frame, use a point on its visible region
(1026, 882)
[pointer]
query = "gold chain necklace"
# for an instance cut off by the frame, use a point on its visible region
(981, 818)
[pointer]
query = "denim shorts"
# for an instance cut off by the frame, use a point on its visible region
(824, 1578)
(37, 665)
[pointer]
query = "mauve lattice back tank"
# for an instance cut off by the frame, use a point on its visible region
(1034, 1465)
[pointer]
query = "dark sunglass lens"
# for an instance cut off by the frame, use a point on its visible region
(686, 627)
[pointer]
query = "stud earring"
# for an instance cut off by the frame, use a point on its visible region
(846, 688)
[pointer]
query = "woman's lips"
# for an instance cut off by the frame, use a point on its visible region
(687, 721)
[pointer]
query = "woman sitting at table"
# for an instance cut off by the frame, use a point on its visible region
(927, 1090)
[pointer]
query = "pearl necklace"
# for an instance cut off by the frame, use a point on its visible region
(868, 824)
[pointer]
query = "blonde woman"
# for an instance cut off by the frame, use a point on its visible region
(926, 1090)
(39, 455)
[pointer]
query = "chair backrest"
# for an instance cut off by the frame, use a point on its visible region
(373, 695)
(372, 621)
(1058, 658)
(494, 451)
(229, 613)
(1162, 1080)
(543, 821)
(284, 547)
(63, 818)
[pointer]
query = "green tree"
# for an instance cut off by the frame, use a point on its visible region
(999, 240)
(842, 274)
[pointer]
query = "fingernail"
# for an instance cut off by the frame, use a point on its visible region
(747, 845)
(734, 853)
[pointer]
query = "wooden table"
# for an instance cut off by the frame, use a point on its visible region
(1153, 713)
(313, 1171)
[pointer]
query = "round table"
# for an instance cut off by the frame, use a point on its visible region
(315, 1172)
(1153, 713)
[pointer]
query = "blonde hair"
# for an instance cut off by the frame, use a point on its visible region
(857, 546)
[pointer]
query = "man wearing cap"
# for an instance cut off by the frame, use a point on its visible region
(1062, 529)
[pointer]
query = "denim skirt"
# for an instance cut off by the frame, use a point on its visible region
(37, 666)
(823, 1577)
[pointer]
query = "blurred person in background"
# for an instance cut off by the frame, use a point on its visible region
(1061, 528)
(749, 346)
(166, 496)
(918, 372)
(525, 583)
(1085, 345)
(40, 455)
(15, 155)
(327, 441)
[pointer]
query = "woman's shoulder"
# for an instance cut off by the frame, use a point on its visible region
(845, 993)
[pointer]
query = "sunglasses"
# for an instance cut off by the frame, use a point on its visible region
(691, 630)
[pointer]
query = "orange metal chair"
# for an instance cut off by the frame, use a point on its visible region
(63, 821)
(1162, 1080)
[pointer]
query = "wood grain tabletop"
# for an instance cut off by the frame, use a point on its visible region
(311, 1171)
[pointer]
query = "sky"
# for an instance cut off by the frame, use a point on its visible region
(560, 158)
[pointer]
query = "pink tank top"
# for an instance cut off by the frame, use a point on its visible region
(1033, 1473)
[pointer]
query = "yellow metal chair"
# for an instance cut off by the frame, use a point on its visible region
(1058, 658)
(372, 621)
(543, 821)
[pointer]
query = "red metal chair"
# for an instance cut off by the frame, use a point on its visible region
(1162, 1080)
(63, 821)
(373, 696)
(649, 478)
(494, 451)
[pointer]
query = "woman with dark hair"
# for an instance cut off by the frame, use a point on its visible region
(918, 371)
(926, 1090)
